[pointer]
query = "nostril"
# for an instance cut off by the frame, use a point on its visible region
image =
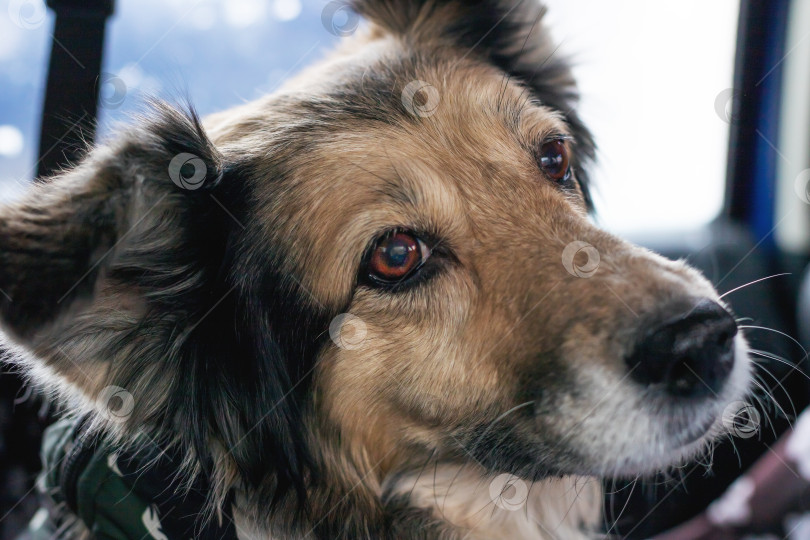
(682, 379)
(724, 338)
(689, 355)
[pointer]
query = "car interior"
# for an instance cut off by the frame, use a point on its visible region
(755, 251)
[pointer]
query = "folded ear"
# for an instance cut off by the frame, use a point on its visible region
(60, 241)
(125, 288)
(509, 34)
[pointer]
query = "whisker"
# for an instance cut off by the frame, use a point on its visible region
(760, 384)
(452, 481)
(609, 510)
(501, 417)
(775, 358)
(777, 406)
(773, 398)
(621, 512)
(752, 283)
(791, 338)
(421, 471)
(577, 493)
(735, 449)
(614, 490)
(475, 446)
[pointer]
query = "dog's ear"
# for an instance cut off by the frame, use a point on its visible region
(509, 34)
(120, 285)
(59, 242)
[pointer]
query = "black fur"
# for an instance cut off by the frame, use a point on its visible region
(233, 355)
(242, 347)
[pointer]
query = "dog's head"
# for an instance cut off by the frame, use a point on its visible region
(389, 260)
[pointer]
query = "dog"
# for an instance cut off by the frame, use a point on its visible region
(373, 304)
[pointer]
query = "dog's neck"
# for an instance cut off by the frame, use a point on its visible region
(458, 502)
(494, 507)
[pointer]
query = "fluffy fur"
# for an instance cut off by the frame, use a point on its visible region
(212, 306)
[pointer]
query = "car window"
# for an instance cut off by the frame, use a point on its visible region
(652, 74)
(217, 53)
(24, 45)
(655, 79)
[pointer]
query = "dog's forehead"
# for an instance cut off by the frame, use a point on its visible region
(430, 145)
(435, 93)
(448, 114)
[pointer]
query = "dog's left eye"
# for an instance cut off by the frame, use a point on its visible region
(395, 257)
(553, 159)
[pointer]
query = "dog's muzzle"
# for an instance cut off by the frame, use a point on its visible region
(689, 355)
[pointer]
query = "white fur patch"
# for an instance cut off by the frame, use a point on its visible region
(495, 507)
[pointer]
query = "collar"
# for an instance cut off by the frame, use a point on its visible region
(123, 493)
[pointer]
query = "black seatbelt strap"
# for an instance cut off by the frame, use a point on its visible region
(71, 95)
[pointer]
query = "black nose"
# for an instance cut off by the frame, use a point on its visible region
(689, 355)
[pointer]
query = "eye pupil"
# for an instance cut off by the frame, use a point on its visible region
(397, 254)
(553, 160)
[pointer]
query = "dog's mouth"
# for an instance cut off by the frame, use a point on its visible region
(688, 430)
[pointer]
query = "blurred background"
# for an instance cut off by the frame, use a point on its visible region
(700, 110)
(649, 75)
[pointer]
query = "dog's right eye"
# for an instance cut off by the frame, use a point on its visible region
(396, 257)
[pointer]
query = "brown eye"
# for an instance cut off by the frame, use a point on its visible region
(396, 256)
(554, 160)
